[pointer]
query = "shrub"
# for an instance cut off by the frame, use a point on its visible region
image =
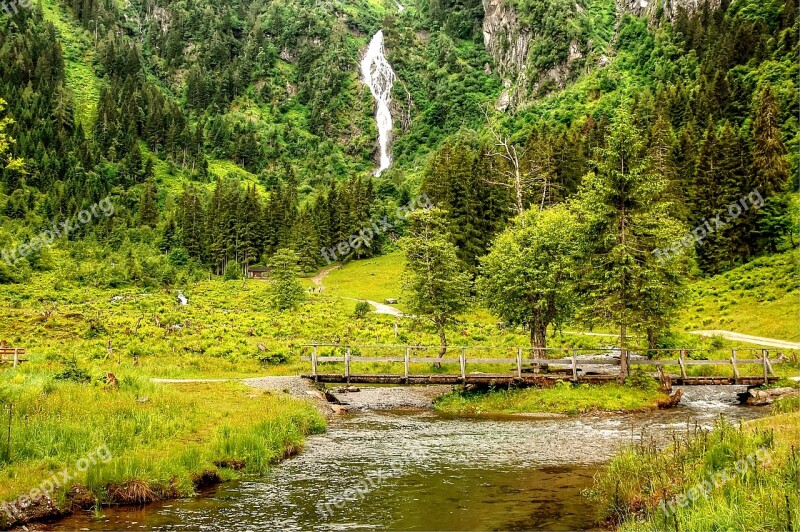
(73, 373)
(233, 272)
(362, 309)
(274, 357)
(639, 379)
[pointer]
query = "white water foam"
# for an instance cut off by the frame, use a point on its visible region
(377, 74)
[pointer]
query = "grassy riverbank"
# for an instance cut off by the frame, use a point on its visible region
(733, 478)
(143, 442)
(564, 398)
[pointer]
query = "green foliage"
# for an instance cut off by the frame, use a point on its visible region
(362, 309)
(285, 290)
(177, 434)
(786, 404)
(434, 278)
(759, 297)
(530, 274)
(731, 478)
(72, 372)
(639, 379)
(233, 271)
(628, 280)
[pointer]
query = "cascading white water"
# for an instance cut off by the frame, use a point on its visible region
(378, 75)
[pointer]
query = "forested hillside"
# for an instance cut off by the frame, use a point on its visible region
(222, 132)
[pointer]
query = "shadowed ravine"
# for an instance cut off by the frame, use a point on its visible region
(423, 471)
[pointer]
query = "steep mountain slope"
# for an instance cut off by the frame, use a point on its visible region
(248, 128)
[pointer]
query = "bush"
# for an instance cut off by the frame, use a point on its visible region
(717, 342)
(271, 358)
(233, 272)
(639, 379)
(362, 309)
(73, 373)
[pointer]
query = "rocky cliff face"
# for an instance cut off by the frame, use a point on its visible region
(669, 8)
(509, 42)
(514, 45)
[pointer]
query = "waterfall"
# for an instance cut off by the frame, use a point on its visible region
(378, 75)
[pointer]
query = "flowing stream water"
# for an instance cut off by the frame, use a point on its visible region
(420, 470)
(377, 74)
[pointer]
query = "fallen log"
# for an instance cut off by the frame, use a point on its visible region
(673, 399)
(758, 397)
(665, 381)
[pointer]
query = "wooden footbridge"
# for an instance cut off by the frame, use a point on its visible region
(409, 365)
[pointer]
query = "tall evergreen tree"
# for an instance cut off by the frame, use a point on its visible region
(628, 281)
(148, 208)
(434, 279)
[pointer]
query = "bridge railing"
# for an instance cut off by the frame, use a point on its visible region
(710, 360)
(524, 358)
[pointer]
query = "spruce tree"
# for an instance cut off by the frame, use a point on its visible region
(434, 279)
(771, 174)
(148, 208)
(628, 280)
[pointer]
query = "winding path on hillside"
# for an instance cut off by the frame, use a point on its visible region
(380, 308)
(750, 339)
(317, 279)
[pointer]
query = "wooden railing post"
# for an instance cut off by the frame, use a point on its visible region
(16, 357)
(735, 369)
(462, 358)
(680, 362)
(574, 366)
(519, 362)
(347, 364)
(764, 354)
(314, 362)
(407, 362)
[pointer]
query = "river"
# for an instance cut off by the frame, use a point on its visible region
(419, 470)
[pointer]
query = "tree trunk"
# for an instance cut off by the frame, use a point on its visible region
(538, 337)
(623, 356)
(443, 340)
(652, 338)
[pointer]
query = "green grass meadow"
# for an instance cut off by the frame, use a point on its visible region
(736, 477)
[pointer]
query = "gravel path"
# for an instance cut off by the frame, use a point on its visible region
(758, 340)
(294, 386)
(380, 308)
(366, 398)
(388, 397)
(317, 279)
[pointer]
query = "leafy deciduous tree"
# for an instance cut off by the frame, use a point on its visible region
(529, 275)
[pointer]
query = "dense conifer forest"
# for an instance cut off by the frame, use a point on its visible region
(223, 132)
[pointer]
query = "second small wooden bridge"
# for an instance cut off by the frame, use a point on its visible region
(528, 366)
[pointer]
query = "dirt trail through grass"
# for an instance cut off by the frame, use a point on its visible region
(317, 279)
(758, 340)
(380, 308)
